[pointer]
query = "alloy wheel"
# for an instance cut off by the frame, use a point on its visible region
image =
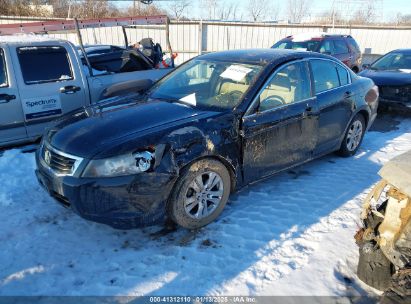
(354, 135)
(204, 195)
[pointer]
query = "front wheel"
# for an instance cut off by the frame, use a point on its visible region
(353, 137)
(200, 194)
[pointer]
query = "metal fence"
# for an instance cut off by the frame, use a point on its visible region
(191, 38)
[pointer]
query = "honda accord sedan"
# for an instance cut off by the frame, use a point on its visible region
(213, 125)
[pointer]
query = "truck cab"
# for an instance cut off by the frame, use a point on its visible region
(42, 79)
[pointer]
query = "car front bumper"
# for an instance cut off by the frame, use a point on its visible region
(395, 104)
(125, 202)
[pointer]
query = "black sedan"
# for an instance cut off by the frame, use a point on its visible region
(212, 126)
(392, 74)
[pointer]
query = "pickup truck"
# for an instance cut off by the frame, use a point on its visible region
(43, 78)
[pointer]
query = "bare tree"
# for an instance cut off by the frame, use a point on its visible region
(178, 7)
(15, 8)
(401, 19)
(366, 14)
(228, 11)
(262, 9)
(210, 7)
(297, 10)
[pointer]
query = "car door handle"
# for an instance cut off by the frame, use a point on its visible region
(308, 111)
(347, 94)
(69, 89)
(4, 98)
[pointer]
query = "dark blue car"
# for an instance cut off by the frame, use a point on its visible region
(213, 125)
(392, 74)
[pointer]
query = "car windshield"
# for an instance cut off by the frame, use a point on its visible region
(393, 61)
(207, 84)
(310, 45)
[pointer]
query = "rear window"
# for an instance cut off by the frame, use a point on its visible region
(3, 71)
(325, 75)
(44, 64)
(327, 47)
(343, 75)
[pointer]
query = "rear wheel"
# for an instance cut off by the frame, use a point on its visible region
(200, 194)
(353, 137)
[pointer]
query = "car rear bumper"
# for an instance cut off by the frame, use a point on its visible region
(120, 202)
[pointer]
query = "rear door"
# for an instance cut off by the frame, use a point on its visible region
(11, 114)
(332, 84)
(50, 84)
(283, 131)
(342, 52)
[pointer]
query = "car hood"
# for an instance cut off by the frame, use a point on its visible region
(389, 77)
(86, 132)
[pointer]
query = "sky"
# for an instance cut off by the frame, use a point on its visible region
(389, 11)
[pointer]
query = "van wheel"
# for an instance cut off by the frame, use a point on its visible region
(353, 137)
(200, 194)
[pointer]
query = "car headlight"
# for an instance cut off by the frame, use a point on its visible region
(126, 164)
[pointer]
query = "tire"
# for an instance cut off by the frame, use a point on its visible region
(374, 268)
(352, 140)
(192, 204)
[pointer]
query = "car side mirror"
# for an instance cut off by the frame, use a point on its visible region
(366, 66)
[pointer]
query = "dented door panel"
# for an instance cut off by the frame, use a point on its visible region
(277, 139)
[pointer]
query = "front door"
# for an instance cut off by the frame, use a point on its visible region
(51, 84)
(282, 132)
(12, 126)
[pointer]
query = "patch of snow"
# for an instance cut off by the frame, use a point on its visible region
(291, 234)
(27, 38)
(307, 36)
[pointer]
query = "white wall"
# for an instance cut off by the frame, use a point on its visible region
(192, 38)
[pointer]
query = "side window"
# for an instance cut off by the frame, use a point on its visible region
(44, 64)
(354, 45)
(340, 47)
(327, 47)
(3, 71)
(325, 75)
(290, 84)
(343, 75)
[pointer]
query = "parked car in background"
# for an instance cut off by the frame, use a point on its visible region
(215, 124)
(392, 74)
(342, 47)
(41, 79)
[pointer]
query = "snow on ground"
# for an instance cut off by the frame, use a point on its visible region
(291, 234)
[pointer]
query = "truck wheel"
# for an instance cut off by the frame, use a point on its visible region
(200, 194)
(353, 137)
(374, 268)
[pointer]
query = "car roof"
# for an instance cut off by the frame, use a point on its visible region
(315, 35)
(260, 56)
(405, 51)
(28, 39)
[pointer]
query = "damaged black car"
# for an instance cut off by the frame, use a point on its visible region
(213, 125)
(392, 74)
